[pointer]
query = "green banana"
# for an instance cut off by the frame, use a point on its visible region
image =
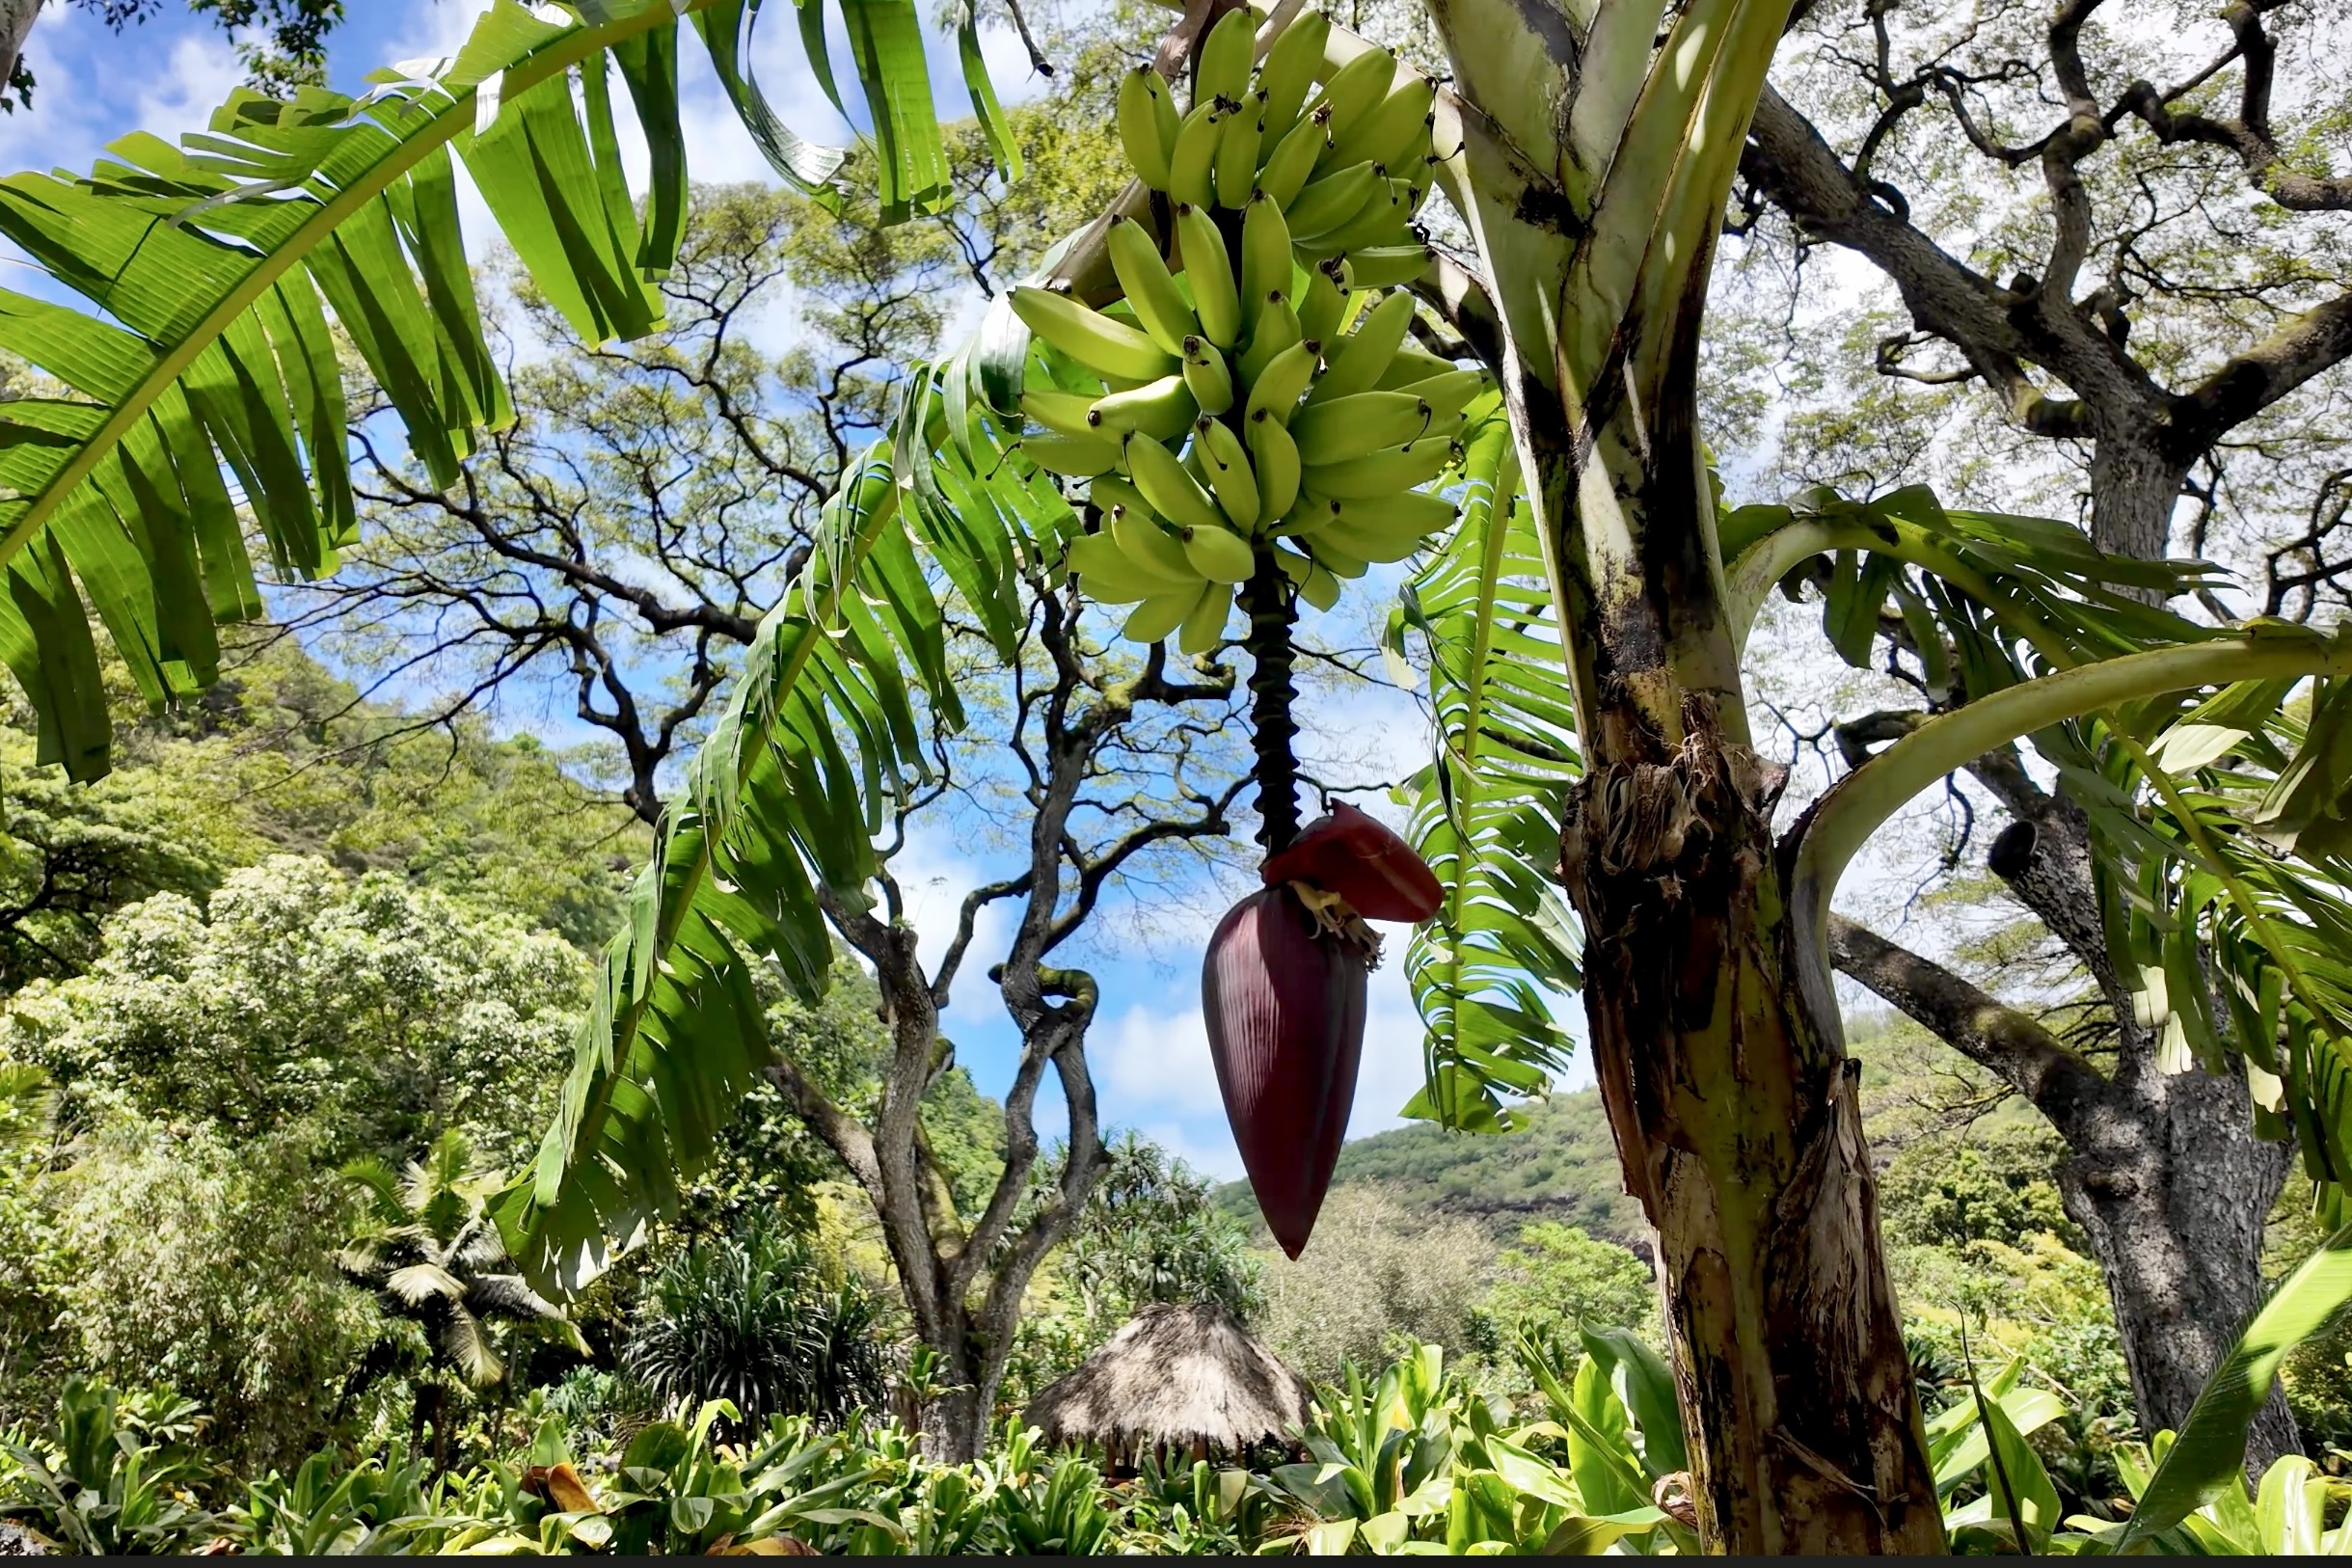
(1148, 125)
(1237, 152)
(1321, 589)
(1376, 546)
(1061, 412)
(1149, 287)
(1163, 410)
(1076, 457)
(1320, 306)
(1393, 130)
(1412, 366)
(1092, 338)
(1276, 458)
(1449, 392)
(1106, 573)
(1214, 297)
(1289, 69)
(1334, 200)
(1335, 560)
(1313, 582)
(1192, 167)
(1204, 625)
(1218, 554)
(1384, 220)
(1152, 620)
(1415, 511)
(1345, 427)
(1230, 472)
(1375, 473)
(1151, 547)
(1356, 89)
(1293, 160)
(1173, 492)
(1386, 266)
(1275, 388)
(1110, 491)
(1222, 68)
(1278, 328)
(1206, 374)
(1266, 255)
(1358, 358)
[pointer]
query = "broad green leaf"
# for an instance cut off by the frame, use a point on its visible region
(2210, 1453)
(214, 271)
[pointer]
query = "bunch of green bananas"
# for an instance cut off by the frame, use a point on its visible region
(1261, 394)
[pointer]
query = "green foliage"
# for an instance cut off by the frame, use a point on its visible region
(378, 1012)
(105, 1486)
(1150, 1234)
(214, 351)
(758, 1320)
(1378, 1276)
(1561, 1165)
(198, 1262)
(1556, 1279)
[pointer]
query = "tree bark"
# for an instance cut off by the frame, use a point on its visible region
(2173, 1188)
(2164, 1175)
(15, 24)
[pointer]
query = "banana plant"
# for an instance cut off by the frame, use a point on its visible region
(1589, 148)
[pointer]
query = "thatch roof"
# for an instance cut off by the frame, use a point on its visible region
(1178, 1375)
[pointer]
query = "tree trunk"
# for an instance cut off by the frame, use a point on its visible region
(2133, 489)
(2164, 1173)
(2172, 1189)
(1737, 1121)
(956, 1422)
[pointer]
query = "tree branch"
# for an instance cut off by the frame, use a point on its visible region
(1990, 1033)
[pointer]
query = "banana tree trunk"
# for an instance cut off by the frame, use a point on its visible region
(1594, 186)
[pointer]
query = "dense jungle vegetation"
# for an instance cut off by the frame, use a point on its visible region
(405, 591)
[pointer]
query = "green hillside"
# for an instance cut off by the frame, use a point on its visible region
(1564, 1168)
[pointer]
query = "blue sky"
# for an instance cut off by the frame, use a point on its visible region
(1148, 1050)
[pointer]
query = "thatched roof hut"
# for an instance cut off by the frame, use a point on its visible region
(1183, 1376)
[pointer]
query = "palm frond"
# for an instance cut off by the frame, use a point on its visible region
(420, 1283)
(784, 801)
(1486, 817)
(506, 1296)
(383, 1188)
(205, 384)
(465, 1340)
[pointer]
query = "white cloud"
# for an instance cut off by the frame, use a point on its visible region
(1154, 1063)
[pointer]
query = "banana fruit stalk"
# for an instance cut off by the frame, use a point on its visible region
(1224, 411)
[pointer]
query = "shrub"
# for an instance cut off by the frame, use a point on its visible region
(1558, 1276)
(755, 1319)
(206, 1265)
